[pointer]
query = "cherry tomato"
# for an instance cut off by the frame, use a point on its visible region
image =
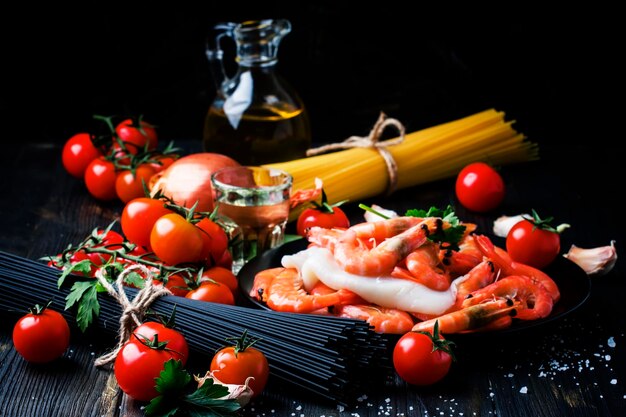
(78, 152)
(234, 364)
(422, 359)
(41, 335)
(138, 363)
(214, 238)
(311, 217)
(174, 240)
(533, 243)
(479, 187)
(100, 179)
(175, 340)
(129, 185)
(213, 292)
(222, 275)
(176, 284)
(165, 162)
(138, 218)
(135, 136)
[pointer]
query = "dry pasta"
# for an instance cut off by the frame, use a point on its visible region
(426, 155)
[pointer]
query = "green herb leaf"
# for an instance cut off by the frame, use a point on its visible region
(83, 266)
(85, 294)
(450, 237)
(134, 279)
(203, 402)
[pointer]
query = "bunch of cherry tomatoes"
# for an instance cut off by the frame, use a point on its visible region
(118, 163)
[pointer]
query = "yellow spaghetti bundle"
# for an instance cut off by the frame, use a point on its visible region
(426, 155)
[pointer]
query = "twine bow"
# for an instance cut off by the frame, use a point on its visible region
(372, 140)
(134, 311)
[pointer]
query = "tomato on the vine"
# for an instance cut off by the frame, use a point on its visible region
(175, 240)
(235, 364)
(78, 152)
(223, 276)
(534, 242)
(138, 218)
(322, 215)
(41, 335)
(138, 363)
(479, 187)
(129, 184)
(212, 291)
(422, 358)
(100, 179)
(136, 134)
(214, 238)
(175, 340)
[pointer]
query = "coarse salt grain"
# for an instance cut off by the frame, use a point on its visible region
(607, 357)
(523, 390)
(614, 381)
(611, 342)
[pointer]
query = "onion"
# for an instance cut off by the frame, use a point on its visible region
(188, 179)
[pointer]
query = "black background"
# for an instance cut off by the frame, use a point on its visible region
(555, 71)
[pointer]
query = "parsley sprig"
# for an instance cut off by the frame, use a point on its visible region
(448, 238)
(175, 398)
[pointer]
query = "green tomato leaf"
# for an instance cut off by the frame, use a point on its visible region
(83, 266)
(134, 279)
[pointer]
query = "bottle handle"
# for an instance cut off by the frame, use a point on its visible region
(216, 55)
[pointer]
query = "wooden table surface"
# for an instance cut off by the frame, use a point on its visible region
(574, 366)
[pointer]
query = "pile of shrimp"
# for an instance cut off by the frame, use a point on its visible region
(391, 275)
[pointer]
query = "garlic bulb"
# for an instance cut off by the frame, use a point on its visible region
(241, 393)
(503, 224)
(595, 261)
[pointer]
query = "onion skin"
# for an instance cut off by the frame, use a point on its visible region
(188, 179)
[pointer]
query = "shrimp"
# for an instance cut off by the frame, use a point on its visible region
(262, 281)
(509, 267)
(480, 276)
(383, 229)
(324, 238)
(498, 324)
(381, 260)
(384, 320)
(286, 293)
(470, 318)
(349, 297)
(535, 300)
(423, 264)
(462, 261)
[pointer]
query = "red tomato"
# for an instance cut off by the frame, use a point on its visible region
(174, 240)
(234, 364)
(213, 292)
(135, 136)
(533, 243)
(138, 218)
(479, 187)
(322, 218)
(138, 364)
(215, 240)
(100, 179)
(78, 152)
(165, 161)
(176, 284)
(422, 359)
(128, 185)
(223, 276)
(175, 340)
(42, 335)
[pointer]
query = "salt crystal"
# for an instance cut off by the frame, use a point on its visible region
(510, 375)
(614, 381)
(387, 400)
(298, 408)
(410, 408)
(491, 394)
(340, 408)
(607, 357)
(523, 390)
(611, 342)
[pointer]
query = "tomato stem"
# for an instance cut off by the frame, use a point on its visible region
(438, 342)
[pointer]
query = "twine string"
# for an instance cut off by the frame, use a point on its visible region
(133, 311)
(372, 140)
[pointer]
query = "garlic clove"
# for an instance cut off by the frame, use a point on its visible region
(503, 224)
(596, 261)
(373, 217)
(241, 393)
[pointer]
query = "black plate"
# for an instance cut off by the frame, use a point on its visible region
(573, 283)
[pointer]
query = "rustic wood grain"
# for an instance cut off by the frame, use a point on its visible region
(563, 368)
